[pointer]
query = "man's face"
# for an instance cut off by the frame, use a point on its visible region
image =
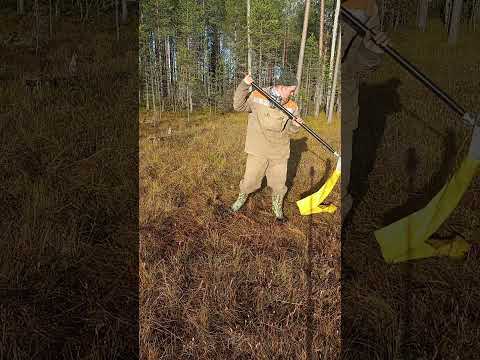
(286, 92)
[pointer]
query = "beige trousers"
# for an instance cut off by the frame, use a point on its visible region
(257, 167)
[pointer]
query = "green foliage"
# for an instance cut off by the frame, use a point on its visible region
(207, 40)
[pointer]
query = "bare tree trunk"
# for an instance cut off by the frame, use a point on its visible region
(37, 27)
(116, 20)
(320, 59)
(50, 27)
(382, 14)
(20, 7)
(146, 76)
(447, 13)
(339, 98)
(284, 53)
(249, 41)
(302, 46)
(191, 102)
(146, 93)
(335, 78)
(260, 67)
(124, 11)
(455, 21)
(422, 14)
(474, 14)
(152, 85)
(307, 95)
(156, 68)
(398, 12)
(87, 10)
(333, 48)
(269, 74)
(156, 81)
(80, 5)
(322, 87)
(167, 67)
(189, 95)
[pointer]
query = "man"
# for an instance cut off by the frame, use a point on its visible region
(359, 54)
(268, 139)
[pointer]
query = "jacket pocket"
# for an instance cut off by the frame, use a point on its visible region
(272, 120)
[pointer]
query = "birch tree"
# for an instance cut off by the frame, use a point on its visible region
(333, 47)
(455, 21)
(124, 11)
(321, 62)
(335, 79)
(422, 14)
(302, 45)
(249, 40)
(20, 7)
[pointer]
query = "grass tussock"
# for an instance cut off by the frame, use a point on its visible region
(215, 286)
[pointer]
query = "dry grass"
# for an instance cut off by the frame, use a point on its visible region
(215, 286)
(428, 308)
(68, 250)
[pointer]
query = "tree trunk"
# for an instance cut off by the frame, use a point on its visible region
(474, 14)
(270, 74)
(124, 11)
(302, 45)
(116, 20)
(249, 41)
(284, 54)
(189, 95)
(50, 27)
(320, 58)
(382, 15)
(146, 91)
(260, 67)
(81, 9)
(447, 13)
(214, 56)
(322, 87)
(422, 14)
(152, 85)
(333, 47)
(37, 27)
(167, 67)
(455, 21)
(20, 7)
(335, 77)
(307, 86)
(142, 65)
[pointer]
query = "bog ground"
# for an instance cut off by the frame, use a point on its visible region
(217, 286)
(412, 143)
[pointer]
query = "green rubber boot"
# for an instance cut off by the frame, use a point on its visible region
(237, 205)
(277, 205)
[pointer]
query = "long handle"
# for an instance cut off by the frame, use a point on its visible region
(290, 115)
(407, 65)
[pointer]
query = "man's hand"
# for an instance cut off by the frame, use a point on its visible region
(380, 39)
(248, 80)
(297, 121)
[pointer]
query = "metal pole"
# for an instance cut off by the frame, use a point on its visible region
(290, 115)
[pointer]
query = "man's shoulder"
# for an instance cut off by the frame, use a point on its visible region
(259, 98)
